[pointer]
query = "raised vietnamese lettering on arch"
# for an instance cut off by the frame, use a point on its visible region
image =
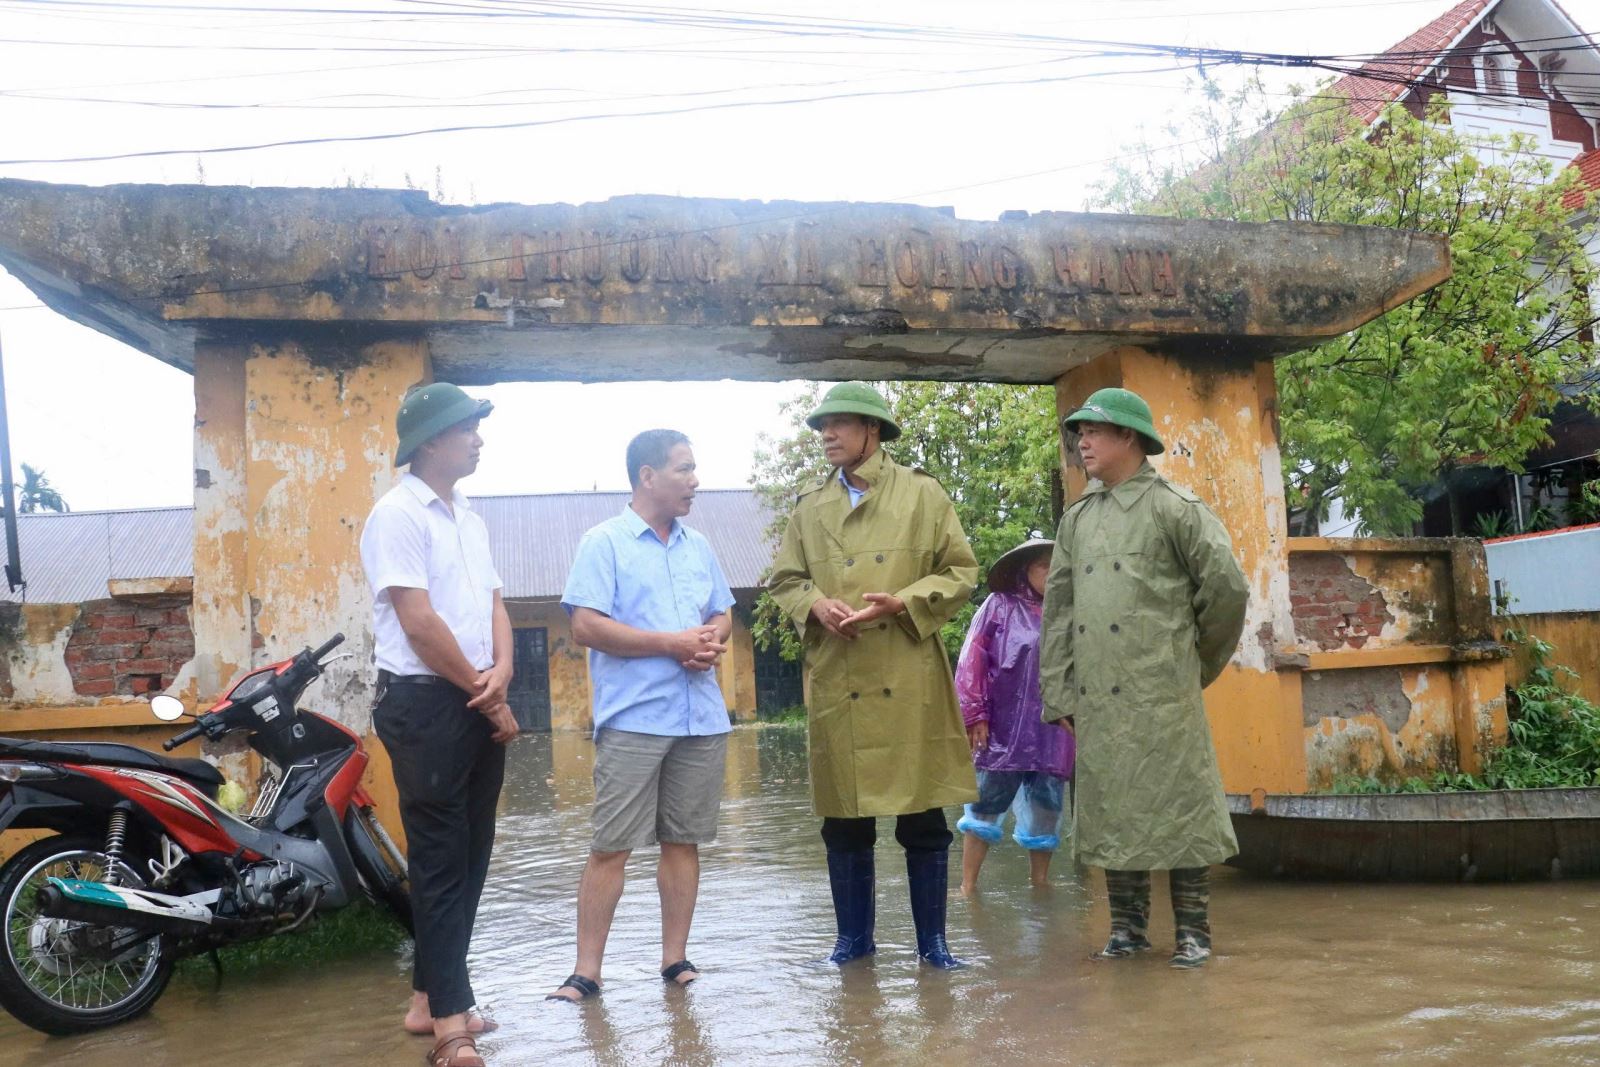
(806, 256)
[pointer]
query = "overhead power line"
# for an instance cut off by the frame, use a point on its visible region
(1325, 108)
(1173, 53)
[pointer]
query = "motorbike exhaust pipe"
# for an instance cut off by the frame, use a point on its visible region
(103, 905)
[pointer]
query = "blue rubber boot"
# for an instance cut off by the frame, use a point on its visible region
(854, 889)
(929, 876)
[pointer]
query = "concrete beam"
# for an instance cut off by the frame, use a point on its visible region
(647, 287)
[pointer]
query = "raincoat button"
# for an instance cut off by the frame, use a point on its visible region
(855, 696)
(1116, 566)
(1083, 690)
(849, 563)
(883, 626)
(1115, 628)
(879, 557)
(806, 587)
(1089, 569)
(1082, 628)
(1116, 689)
(886, 691)
(935, 596)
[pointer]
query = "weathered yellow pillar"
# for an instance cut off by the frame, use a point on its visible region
(737, 672)
(291, 453)
(1217, 416)
(221, 611)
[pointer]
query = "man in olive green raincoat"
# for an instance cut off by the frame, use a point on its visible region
(873, 562)
(1143, 609)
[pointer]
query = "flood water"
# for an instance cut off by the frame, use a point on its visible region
(1312, 974)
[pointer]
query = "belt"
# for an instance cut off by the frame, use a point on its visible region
(388, 678)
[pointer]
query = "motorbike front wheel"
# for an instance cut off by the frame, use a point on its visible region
(66, 977)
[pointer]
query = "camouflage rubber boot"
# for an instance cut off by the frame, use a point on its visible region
(1129, 893)
(1191, 903)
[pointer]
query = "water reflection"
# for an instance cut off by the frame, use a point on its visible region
(1304, 974)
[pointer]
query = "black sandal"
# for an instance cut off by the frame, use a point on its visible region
(671, 973)
(586, 987)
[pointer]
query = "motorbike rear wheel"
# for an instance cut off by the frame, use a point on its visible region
(381, 865)
(62, 976)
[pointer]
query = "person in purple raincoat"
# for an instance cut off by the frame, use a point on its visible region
(1023, 764)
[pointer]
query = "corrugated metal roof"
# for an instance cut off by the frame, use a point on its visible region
(70, 558)
(533, 538)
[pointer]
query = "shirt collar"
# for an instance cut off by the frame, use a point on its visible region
(638, 527)
(871, 470)
(425, 494)
(1129, 492)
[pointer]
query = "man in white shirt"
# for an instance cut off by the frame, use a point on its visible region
(443, 644)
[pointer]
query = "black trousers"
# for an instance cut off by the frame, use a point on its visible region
(923, 831)
(448, 772)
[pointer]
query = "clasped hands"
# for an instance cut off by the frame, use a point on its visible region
(491, 687)
(841, 620)
(697, 648)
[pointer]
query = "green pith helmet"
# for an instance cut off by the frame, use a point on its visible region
(1119, 407)
(429, 410)
(855, 398)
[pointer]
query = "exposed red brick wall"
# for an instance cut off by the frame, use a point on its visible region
(130, 649)
(1333, 606)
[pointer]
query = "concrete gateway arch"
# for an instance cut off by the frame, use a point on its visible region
(304, 314)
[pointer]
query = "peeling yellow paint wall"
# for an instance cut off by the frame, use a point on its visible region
(1371, 744)
(737, 671)
(1576, 637)
(291, 453)
(1403, 679)
(221, 610)
(1217, 418)
(320, 453)
(36, 655)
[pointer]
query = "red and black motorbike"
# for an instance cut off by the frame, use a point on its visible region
(146, 867)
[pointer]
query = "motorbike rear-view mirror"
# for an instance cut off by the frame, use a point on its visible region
(165, 708)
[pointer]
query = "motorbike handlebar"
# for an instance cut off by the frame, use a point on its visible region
(184, 738)
(328, 646)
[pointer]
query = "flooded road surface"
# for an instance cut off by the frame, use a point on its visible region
(1312, 974)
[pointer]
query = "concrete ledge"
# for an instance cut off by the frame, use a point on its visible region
(732, 288)
(93, 717)
(138, 588)
(1441, 545)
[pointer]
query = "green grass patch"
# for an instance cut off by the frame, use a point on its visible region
(794, 715)
(350, 933)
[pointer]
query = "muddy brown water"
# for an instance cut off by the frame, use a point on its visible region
(1312, 974)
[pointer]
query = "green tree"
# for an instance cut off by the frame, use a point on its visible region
(1463, 375)
(994, 448)
(37, 494)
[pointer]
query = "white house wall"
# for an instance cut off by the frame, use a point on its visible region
(1557, 571)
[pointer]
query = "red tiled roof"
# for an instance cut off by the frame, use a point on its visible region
(1588, 166)
(1390, 78)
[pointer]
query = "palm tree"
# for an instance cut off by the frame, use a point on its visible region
(37, 494)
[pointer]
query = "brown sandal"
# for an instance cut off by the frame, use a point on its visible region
(449, 1051)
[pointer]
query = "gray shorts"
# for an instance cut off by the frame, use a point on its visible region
(649, 788)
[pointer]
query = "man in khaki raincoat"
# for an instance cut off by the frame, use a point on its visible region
(873, 562)
(1143, 609)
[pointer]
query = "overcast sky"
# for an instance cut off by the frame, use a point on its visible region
(113, 427)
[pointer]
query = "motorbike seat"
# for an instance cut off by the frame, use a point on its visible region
(197, 771)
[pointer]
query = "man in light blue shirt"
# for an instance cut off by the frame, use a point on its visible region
(649, 600)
